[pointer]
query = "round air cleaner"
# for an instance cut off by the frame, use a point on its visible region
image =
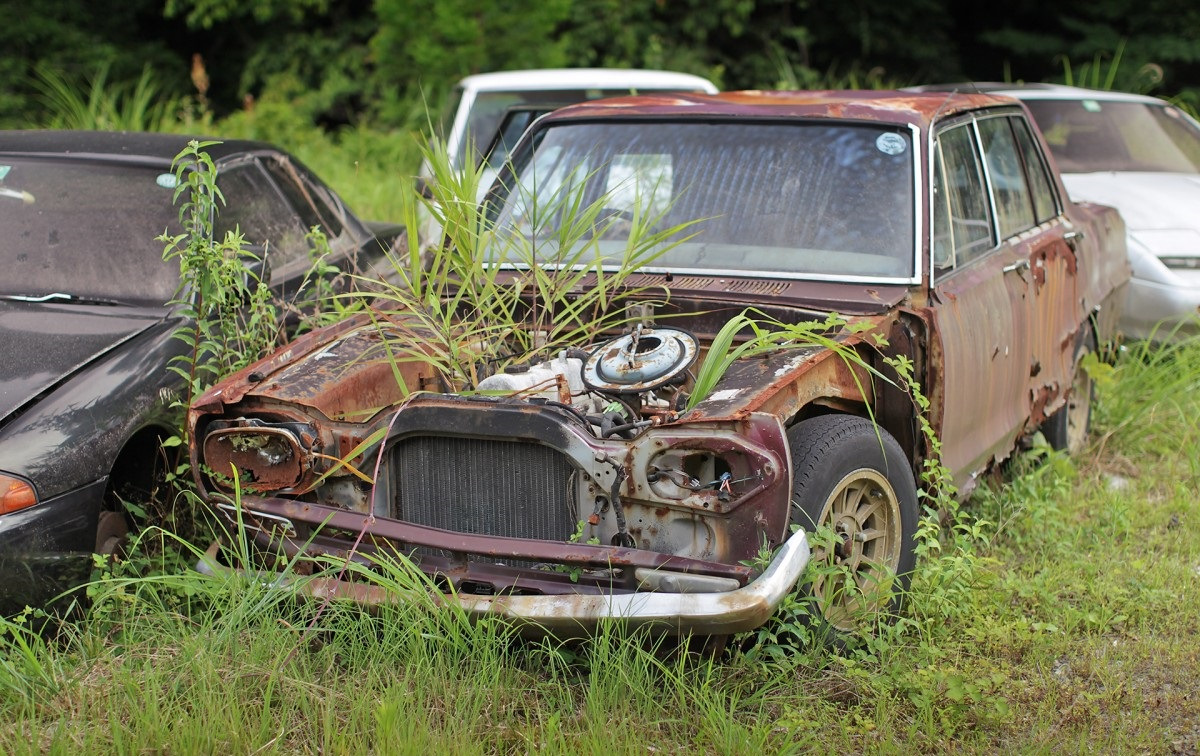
(639, 361)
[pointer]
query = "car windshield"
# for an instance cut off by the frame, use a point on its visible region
(1101, 135)
(810, 198)
(86, 229)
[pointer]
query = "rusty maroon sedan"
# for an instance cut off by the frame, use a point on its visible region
(587, 483)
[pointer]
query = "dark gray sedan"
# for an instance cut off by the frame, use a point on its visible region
(86, 324)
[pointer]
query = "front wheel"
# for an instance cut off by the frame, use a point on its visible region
(851, 476)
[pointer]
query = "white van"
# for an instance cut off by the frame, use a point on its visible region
(488, 112)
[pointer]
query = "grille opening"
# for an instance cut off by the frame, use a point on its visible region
(476, 588)
(484, 486)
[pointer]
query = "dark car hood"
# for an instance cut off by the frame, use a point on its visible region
(44, 343)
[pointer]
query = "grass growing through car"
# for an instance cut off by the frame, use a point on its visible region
(476, 297)
(1076, 632)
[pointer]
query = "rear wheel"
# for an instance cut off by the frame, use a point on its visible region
(851, 476)
(112, 533)
(1067, 429)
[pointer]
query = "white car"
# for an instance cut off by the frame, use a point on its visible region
(1140, 155)
(484, 103)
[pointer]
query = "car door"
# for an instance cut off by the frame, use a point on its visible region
(980, 292)
(1056, 310)
(1029, 215)
(1008, 315)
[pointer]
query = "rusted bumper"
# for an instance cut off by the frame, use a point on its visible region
(712, 613)
(686, 595)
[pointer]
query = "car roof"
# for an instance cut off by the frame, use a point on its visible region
(896, 107)
(586, 78)
(133, 146)
(1038, 91)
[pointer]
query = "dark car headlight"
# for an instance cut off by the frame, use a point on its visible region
(267, 458)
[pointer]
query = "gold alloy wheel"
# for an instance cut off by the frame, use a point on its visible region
(864, 513)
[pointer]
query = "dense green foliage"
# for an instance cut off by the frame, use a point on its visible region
(386, 61)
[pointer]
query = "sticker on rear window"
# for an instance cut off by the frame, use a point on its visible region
(166, 180)
(4, 169)
(890, 144)
(1091, 106)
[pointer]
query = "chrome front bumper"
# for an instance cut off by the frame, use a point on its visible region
(706, 613)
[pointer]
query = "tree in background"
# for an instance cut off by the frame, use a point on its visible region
(311, 54)
(287, 63)
(1033, 45)
(79, 38)
(423, 46)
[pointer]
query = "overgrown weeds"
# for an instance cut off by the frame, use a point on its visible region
(1106, 72)
(106, 106)
(231, 320)
(471, 298)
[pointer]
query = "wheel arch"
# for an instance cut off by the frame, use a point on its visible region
(137, 465)
(884, 402)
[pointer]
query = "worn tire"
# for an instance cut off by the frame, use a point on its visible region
(1067, 429)
(852, 475)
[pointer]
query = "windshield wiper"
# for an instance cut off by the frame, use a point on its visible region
(59, 296)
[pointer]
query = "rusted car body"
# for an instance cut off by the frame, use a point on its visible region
(942, 236)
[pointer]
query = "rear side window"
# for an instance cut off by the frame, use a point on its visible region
(962, 223)
(254, 206)
(1014, 204)
(304, 198)
(1045, 206)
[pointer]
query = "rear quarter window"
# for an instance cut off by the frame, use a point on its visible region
(1014, 203)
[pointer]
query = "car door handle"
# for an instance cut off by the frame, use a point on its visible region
(1019, 265)
(1072, 238)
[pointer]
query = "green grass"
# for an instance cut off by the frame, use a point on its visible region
(1075, 630)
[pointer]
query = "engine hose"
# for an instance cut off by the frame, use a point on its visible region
(568, 408)
(622, 537)
(614, 430)
(630, 415)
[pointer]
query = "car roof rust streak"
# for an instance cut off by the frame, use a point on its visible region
(896, 107)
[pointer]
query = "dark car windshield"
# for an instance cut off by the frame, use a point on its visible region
(1101, 135)
(810, 198)
(86, 229)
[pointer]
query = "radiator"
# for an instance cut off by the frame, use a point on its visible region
(489, 487)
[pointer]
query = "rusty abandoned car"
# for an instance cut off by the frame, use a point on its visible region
(588, 483)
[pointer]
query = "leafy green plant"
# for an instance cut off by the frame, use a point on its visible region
(140, 106)
(230, 319)
(474, 298)
(1104, 72)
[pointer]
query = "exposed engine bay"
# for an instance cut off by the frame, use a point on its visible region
(624, 385)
